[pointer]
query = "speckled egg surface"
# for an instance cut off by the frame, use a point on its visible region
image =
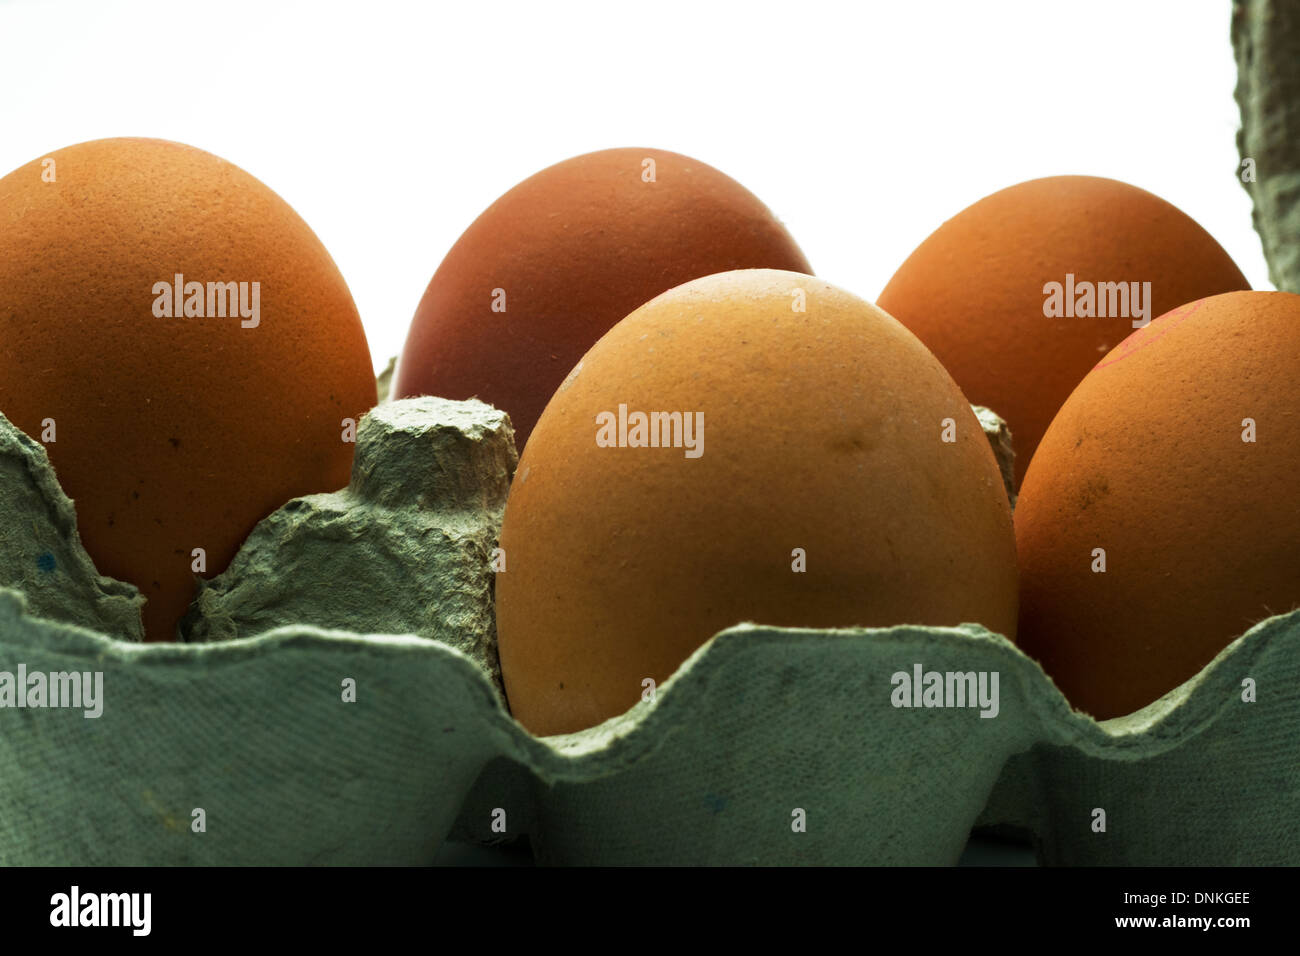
(757, 445)
(1160, 517)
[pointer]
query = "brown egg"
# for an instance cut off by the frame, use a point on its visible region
(1177, 460)
(549, 267)
(814, 488)
(975, 290)
(173, 431)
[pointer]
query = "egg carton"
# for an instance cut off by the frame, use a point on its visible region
(1265, 41)
(337, 700)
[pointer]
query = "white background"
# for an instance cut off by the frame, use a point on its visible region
(863, 125)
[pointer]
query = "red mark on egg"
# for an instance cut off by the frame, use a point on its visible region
(1144, 337)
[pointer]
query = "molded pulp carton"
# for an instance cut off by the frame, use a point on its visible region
(337, 700)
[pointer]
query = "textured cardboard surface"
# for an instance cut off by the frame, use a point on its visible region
(1265, 40)
(406, 548)
(758, 724)
(41, 552)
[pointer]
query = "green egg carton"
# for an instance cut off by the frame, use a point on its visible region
(337, 700)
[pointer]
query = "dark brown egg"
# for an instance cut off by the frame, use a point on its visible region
(549, 267)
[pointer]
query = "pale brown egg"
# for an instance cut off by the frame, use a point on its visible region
(809, 463)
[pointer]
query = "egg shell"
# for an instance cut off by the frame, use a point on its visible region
(574, 249)
(823, 431)
(1200, 528)
(974, 290)
(172, 433)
